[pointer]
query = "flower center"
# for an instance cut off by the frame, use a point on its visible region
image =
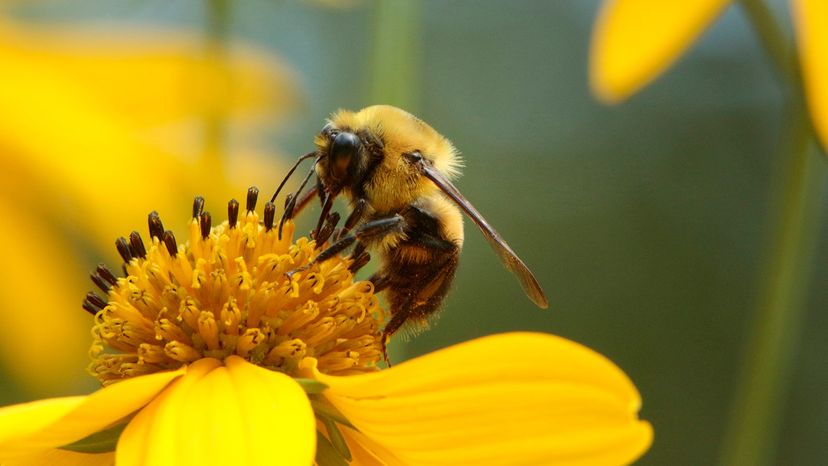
(234, 289)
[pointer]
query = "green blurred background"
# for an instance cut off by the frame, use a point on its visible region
(648, 224)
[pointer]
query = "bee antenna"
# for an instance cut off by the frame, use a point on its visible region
(290, 173)
(289, 208)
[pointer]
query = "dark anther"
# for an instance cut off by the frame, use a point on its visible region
(100, 282)
(327, 229)
(93, 303)
(156, 228)
(360, 262)
(206, 222)
(198, 206)
(169, 241)
(269, 215)
(233, 212)
(123, 249)
(290, 203)
(99, 302)
(252, 197)
(136, 245)
(89, 308)
(106, 274)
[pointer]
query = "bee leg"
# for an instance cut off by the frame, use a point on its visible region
(367, 231)
(353, 218)
(327, 229)
(380, 281)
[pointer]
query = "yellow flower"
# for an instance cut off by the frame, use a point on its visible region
(87, 118)
(635, 40)
(238, 348)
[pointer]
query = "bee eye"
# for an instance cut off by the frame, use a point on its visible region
(414, 157)
(344, 147)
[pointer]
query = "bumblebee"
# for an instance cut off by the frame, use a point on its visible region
(395, 170)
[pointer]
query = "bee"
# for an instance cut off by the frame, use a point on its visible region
(395, 171)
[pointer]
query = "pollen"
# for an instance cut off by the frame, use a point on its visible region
(244, 288)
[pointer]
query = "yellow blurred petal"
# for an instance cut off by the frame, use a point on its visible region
(63, 458)
(219, 415)
(167, 73)
(506, 399)
(46, 424)
(634, 41)
(811, 21)
(43, 334)
(84, 113)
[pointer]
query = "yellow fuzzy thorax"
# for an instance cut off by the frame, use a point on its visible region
(393, 185)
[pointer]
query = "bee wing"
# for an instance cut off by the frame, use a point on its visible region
(512, 262)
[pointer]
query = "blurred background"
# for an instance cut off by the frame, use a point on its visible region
(649, 224)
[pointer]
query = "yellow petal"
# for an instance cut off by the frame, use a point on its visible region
(634, 41)
(506, 399)
(48, 352)
(100, 149)
(167, 72)
(219, 415)
(47, 424)
(63, 458)
(811, 21)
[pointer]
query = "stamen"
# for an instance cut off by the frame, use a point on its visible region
(232, 213)
(269, 215)
(206, 223)
(169, 241)
(233, 289)
(156, 228)
(123, 249)
(100, 282)
(93, 303)
(198, 206)
(106, 274)
(252, 197)
(136, 245)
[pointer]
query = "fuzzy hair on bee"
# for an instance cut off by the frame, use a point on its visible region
(396, 172)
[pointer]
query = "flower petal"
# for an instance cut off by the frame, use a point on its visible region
(480, 403)
(811, 20)
(47, 354)
(63, 458)
(217, 415)
(634, 41)
(47, 424)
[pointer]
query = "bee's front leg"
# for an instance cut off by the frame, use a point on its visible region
(367, 232)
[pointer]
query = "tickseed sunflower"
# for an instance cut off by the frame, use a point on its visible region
(237, 348)
(636, 40)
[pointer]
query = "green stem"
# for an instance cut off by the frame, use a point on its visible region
(774, 41)
(397, 41)
(752, 435)
(215, 126)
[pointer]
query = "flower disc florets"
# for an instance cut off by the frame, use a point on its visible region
(233, 289)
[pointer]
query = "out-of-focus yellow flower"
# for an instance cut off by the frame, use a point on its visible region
(635, 40)
(239, 348)
(91, 115)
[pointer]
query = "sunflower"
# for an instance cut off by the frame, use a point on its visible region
(237, 346)
(636, 40)
(86, 116)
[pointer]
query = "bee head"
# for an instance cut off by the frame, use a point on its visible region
(373, 154)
